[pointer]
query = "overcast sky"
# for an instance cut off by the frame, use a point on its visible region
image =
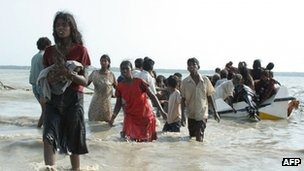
(168, 31)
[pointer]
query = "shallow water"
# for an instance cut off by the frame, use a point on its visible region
(233, 144)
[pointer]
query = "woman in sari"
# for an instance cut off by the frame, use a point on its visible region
(139, 121)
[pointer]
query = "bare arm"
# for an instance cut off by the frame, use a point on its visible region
(183, 122)
(80, 78)
(212, 103)
(229, 100)
(90, 79)
(117, 108)
(156, 102)
(115, 82)
(89, 82)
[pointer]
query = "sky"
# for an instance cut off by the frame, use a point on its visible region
(168, 31)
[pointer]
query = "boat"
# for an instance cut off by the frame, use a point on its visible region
(277, 107)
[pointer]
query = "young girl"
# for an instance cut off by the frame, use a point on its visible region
(139, 121)
(173, 122)
(64, 128)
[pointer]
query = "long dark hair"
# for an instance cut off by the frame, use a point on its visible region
(75, 34)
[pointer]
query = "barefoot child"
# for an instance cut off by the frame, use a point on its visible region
(196, 92)
(173, 122)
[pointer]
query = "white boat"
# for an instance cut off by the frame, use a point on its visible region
(274, 108)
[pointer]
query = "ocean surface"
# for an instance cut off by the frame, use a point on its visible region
(232, 145)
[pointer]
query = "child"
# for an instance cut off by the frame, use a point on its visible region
(173, 122)
(196, 92)
(57, 87)
(63, 126)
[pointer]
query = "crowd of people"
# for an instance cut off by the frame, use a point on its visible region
(59, 75)
(254, 86)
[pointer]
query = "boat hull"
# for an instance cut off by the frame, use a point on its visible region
(274, 108)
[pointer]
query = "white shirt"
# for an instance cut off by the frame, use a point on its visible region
(220, 81)
(136, 72)
(224, 90)
(145, 75)
(174, 107)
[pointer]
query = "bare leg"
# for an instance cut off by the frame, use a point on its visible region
(75, 162)
(49, 155)
(198, 136)
(199, 132)
(40, 122)
(42, 104)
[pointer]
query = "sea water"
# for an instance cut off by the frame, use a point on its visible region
(232, 144)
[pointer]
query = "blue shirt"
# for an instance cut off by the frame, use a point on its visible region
(36, 67)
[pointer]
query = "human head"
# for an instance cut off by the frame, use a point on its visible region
(217, 70)
(224, 73)
(193, 61)
(107, 58)
(215, 78)
(75, 35)
(126, 69)
(270, 66)
(172, 81)
(229, 64)
(236, 79)
(242, 67)
(265, 75)
(43, 42)
(160, 80)
(242, 64)
(179, 75)
(148, 64)
(139, 63)
(257, 64)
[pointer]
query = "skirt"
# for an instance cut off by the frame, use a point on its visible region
(64, 126)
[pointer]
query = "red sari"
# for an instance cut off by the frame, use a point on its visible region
(139, 121)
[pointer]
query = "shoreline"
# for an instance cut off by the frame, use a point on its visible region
(160, 70)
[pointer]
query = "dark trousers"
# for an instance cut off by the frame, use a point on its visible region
(197, 128)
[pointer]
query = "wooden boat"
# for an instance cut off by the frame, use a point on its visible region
(275, 108)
